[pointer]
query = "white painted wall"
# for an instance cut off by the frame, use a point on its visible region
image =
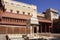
(22, 7)
(53, 16)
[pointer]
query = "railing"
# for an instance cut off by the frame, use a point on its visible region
(47, 34)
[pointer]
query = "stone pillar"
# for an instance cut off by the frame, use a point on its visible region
(45, 28)
(31, 31)
(41, 28)
(49, 29)
(37, 29)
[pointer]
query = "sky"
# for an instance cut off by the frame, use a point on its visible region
(42, 5)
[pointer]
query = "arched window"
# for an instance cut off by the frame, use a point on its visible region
(17, 12)
(28, 13)
(11, 11)
(35, 30)
(23, 12)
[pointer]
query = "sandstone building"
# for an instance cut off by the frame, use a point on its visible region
(20, 18)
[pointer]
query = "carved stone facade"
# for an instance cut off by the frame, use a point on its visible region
(21, 18)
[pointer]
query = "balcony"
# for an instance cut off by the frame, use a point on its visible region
(14, 15)
(12, 18)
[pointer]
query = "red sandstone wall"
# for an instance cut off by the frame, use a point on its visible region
(2, 30)
(14, 30)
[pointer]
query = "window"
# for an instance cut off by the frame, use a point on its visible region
(11, 11)
(17, 12)
(11, 20)
(22, 20)
(28, 13)
(55, 14)
(35, 30)
(28, 7)
(15, 20)
(23, 6)
(11, 3)
(18, 20)
(18, 5)
(23, 12)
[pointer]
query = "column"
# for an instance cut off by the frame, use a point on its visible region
(49, 29)
(25, 30)
(41, 28)
(45, 28)
(31, 31)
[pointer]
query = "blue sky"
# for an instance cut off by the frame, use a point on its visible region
(42, 5)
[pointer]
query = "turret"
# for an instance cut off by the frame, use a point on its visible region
(51, 14)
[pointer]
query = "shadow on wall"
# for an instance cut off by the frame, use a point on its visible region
(2, 6)
(56, 26)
